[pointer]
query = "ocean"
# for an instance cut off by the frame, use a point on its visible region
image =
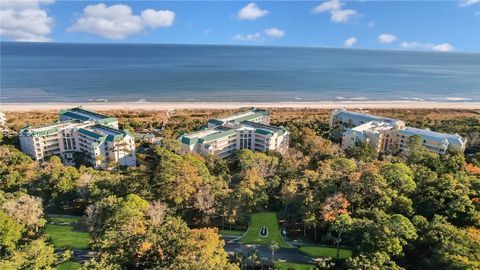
(58, 72)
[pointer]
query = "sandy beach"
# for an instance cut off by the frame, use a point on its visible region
(161, 106)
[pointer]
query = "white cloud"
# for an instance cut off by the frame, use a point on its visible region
(337, 14)
(371, 24)
(251, 12)
(158, 18)
(25, 20)
(329, 6)
(249, 37)
(341, 16)
(118, 22)
(350, 42)
(443, 47)
(466, 3)
(274, 32)
(386, 38)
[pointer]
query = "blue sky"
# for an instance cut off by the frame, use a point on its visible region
(408, 25)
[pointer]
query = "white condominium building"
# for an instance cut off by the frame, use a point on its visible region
(246, 130)
(433, 141)
(342, 120)
(385, 134)
(80, 134)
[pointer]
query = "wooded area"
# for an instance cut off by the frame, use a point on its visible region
(415, 210)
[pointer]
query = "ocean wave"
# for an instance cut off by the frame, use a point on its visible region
(413, 98)
(359, 98)
(457, 98)
(97, 100)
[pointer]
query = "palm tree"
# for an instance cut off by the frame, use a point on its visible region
(241, 258)
(273, 247)
(253, 257)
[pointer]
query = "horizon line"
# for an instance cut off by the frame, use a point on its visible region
(240, 45)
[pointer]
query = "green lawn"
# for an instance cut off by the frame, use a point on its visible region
(295, 266)
(64, 219)
(318, 251)
(257, 221)
(63, 236)
(69, 266)
(231, 232)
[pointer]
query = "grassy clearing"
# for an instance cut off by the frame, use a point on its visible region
(64, 219)
(231, 232)
(294, 266)
(69, 266)
(257, 221)
(64, 237)
(317, 251)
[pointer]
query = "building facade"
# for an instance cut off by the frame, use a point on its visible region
(246, 130)
(386, 134)
(93, 137)
(3, 119)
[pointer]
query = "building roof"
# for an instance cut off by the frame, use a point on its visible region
(262, 128)
(373, 126)
(75, 115)
(362, 117)
(102, 133)
(263, 131)
(27, 131)
(244, 116)
(216, 122)
(188, 140)
(91, 133)
(207, 135)
(110, 133)
(84, 115)
(46, 130)
(433, 135)
(217, 135)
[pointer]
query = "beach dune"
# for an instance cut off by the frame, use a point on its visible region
(161, 106)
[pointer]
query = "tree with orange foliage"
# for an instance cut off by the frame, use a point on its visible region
(203, 251)
(334, 206)
(472, 169)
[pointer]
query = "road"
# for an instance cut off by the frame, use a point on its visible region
(281, 254)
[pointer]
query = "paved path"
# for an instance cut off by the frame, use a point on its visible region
(80, 255)
(281, 254)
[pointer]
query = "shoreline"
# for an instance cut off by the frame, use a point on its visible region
(163, 106)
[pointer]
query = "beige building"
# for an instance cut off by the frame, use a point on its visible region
(379, 135)
(385, 134)
(78, 135)
(246, 130)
